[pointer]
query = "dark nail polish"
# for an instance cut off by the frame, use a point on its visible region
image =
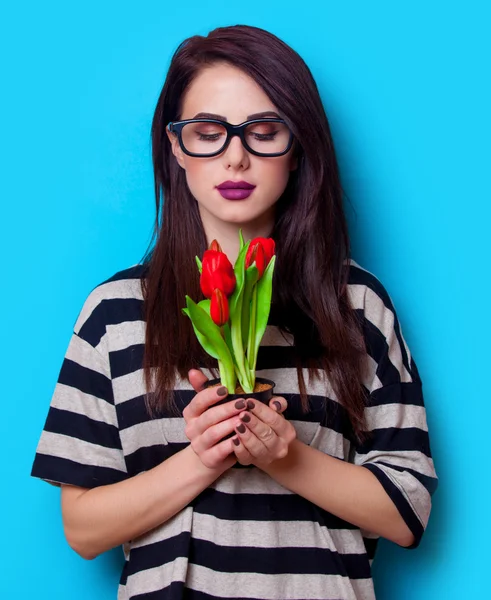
(278, 405)
(241, 428)
(240, 405)
(246, 418)
(221, 391)
(250, 404)
(236, 441)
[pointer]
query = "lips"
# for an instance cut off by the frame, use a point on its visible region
(236, 185)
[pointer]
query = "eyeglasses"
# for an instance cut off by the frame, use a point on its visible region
(209, 137)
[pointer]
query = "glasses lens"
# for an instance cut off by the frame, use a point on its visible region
(203, 138)
(267, 137)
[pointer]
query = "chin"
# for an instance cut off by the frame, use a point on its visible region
(239, 212)
(238, 219)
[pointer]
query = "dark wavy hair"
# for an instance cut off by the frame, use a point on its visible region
(310, 230)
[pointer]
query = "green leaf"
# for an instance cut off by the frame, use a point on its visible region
(251, 276)
(264, 293)
(211, 339)
(198, 262)
(235, 302)
(252, 332)
(203, 340)
(229, 382)
(241, 240)
(205, 305)
(239, 272)
(227, 336)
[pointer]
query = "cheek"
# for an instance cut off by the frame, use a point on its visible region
(275, 174)
(198, 175)
(194, 167)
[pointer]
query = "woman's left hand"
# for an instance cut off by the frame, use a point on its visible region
(263, 435)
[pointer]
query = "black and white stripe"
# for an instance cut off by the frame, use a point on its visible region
(245, 536)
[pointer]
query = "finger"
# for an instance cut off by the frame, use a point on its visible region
(203, 400)
(243, 455)
(218, 453)
(213, 434)
(278, 403)
(262, 431)
(216, 414)
(270, 416)
(197, 379)
(250, 441)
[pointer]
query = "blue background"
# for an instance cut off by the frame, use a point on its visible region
(406, 89)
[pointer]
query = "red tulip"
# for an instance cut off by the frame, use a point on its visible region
(261, 250)
(217, 272)
(256, 254)
(219, 310)
(215, 246)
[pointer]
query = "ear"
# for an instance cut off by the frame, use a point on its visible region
(176, 149)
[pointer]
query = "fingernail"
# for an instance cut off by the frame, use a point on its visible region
(221, 391)
(236, 441)
(240, 404)
(246, 418)
(250, 404)
(278, 405)
(241, 428)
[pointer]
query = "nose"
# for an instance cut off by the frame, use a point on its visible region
(235, 154)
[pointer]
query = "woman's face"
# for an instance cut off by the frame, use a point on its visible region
(222, 89)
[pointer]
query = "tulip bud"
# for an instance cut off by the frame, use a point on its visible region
(215, 246)
(260, 250)
(219, 310)
(217, 272)
(256, 255)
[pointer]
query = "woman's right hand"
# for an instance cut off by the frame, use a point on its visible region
(206, 424)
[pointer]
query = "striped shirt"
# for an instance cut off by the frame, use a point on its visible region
(245, 536)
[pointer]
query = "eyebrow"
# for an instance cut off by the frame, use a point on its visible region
(259, 115)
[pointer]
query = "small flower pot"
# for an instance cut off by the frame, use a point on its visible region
(263, 391)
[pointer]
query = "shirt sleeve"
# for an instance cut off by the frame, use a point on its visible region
(80, 443)
(397, 451)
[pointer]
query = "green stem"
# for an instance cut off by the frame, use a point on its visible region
(236, 331)
(227, 378)
(252, 335)
(246, 312)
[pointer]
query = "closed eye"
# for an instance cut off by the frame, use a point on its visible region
(210, 137)
(265, 137)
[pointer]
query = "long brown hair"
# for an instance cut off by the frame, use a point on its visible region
(310, 231)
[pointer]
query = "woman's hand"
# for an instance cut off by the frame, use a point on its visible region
(207, 425)
(263, 433)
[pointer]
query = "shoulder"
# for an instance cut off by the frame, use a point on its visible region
(117, 299)
(369, 297)
(381, 326)
(367, 293)
(362, 282)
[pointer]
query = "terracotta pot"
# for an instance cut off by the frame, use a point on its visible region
(263, 390)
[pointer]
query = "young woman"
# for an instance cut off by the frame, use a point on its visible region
(339, 458)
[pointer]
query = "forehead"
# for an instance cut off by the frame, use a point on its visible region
(227, 91)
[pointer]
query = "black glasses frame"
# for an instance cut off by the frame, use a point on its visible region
(176, 127)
